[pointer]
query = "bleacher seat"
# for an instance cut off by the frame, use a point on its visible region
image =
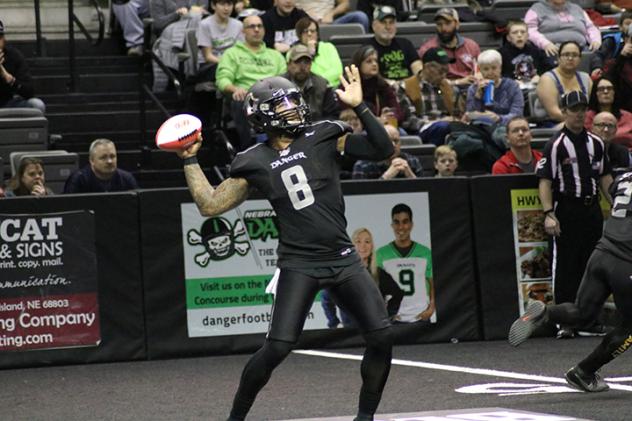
(410, 140)
(426, 12)
(327, 31)
(510, 9)
(425, 153)
(348, 44)
(22, 129)
(58, 165)
(584, 65)
(537, 112)
(540, 136)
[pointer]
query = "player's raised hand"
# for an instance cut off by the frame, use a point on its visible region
(351, 94)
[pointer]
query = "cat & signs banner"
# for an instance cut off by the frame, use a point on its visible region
(48, 281)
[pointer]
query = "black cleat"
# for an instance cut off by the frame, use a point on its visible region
(587, 382)
(524, 326)
(595, 329)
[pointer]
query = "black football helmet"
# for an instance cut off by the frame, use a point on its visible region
(265, 96)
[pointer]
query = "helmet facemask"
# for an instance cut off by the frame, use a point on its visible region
(286, 113)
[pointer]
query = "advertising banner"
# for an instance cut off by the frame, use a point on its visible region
(229, 261)
(48, 281)
(533, 269)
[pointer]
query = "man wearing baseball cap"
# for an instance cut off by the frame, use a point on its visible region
(16, 84)
(368, 6)
(316, 91)
(573, 167)
(429, 101)
(396, 55)
(463, 50)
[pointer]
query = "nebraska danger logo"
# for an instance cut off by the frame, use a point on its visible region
(220, 240)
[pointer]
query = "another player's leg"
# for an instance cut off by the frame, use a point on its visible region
(610, 273)
(591, 295)
(360, 297)
(294, 297)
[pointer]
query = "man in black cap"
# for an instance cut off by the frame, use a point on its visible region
(428, 100)
(396, 55)
(573, 167)
(463, 50)
(16, 85)
(316, 92)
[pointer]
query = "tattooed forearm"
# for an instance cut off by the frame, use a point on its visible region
(229, 194)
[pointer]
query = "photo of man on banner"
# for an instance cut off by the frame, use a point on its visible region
(410, 264)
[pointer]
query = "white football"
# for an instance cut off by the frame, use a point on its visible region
(178, 132)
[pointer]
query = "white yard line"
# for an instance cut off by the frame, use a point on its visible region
(459, 369)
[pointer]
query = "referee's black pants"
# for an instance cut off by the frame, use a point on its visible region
(581, 227)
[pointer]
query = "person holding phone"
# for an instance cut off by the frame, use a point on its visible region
(16, 84)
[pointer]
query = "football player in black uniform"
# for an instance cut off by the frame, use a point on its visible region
(609, 271)
(297, 170)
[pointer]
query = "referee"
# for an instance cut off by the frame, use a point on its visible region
(572, 168)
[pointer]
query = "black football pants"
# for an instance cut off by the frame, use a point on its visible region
(356, 292)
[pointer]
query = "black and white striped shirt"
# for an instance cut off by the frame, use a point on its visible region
(575, 163)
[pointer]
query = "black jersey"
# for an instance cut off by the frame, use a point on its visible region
(617, 236)
(302, 184)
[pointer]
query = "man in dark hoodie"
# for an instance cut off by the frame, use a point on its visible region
(522, 60)
(16, 85)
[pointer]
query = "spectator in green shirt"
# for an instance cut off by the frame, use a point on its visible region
(241, 66)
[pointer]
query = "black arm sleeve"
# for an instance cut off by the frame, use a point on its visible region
(389, 287)
(376, 145)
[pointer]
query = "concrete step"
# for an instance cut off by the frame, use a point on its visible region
(85, 98)
(75, 141)
(91, 83)
(60, 47)
(95, 107)
(85, 65)
(99, 122)
(19, 17)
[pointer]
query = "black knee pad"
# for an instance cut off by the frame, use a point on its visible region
(382, 338)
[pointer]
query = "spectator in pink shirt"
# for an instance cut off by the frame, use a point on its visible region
(463, 50)
(552, 22)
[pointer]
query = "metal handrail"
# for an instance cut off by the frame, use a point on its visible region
(72, 20)
(144, 90)
(100, 17)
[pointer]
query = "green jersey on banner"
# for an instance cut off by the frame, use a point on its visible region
(412, 273)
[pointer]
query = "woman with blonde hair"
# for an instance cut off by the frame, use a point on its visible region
(363, 241)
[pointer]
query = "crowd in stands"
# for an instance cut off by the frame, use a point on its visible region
(445, 90)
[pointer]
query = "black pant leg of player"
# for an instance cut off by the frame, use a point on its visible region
(294, 297)
(617, 273)
(593, 292)
(358, 294)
